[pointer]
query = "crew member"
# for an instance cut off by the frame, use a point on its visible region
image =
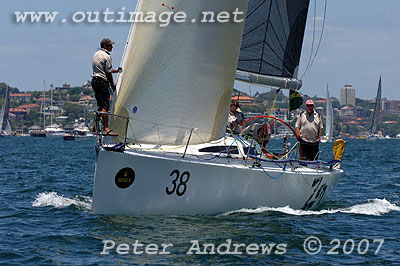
(102, 81)
(236, 118)
(309, 129)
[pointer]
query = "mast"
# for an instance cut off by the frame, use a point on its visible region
(377, 108)
(43, 105)
(51, 105)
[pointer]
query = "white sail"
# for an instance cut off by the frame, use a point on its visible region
(8, 130)
(179, 78)
(329, 116)
(1, 118)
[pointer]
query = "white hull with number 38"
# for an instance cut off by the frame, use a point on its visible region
(143, 182)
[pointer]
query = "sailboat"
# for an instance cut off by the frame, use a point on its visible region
(376, 115)
(37, 131)
(53, 130)
(5, 127)
(329, 119)
(173, 155)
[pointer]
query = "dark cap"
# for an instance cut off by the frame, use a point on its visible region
(235, 103)
(106, 42)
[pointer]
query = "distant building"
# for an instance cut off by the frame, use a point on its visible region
(391, 107)
(20, 97)
(321, 110)
(39, 100)
(348, 95)
(86, 99)
(18, 113)
(65, 86)
(29, 107)
(244, 100)
(347, 113)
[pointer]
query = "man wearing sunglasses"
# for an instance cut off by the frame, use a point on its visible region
(102, 80)
(309, 129)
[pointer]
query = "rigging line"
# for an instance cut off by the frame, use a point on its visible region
(284, 170)
(320, 40)
(273, 105)
(313, 37)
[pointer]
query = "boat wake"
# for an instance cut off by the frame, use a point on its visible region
(375, 207)
(52, 199)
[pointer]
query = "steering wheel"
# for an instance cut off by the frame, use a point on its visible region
(272, 156)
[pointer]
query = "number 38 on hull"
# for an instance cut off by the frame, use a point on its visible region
(147, 183)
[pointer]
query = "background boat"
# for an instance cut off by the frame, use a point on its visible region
(376, 116)
(5, 127)
(329, 119)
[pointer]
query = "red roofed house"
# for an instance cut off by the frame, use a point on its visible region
(19, 113)
(39, 100)
(29, 107)
(86, 99)
(20, 97)
(352, 123)
(244, 100)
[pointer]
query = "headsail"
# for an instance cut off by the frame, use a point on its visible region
(272, 42)
(180, 77)
(377, 108)
(329, 116)
(8, 130)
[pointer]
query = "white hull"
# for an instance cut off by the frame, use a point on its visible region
(213, 187)
(58, 134)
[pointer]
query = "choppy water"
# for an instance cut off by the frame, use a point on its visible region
(46, 219)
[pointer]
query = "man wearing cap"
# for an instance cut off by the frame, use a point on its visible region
(309, 129)
(236, 118)
(102, 80)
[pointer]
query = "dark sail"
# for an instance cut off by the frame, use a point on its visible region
(377, 108)
(273, 37)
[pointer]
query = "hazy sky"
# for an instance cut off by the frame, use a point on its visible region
(361, 41)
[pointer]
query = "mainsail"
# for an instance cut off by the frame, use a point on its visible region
(272, 42)
(177, 80)
(329, 116)
(377, 108)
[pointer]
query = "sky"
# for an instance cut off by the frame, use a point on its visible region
(361, 41)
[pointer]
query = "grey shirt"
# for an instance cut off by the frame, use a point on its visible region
(309, 126)
(101, 63)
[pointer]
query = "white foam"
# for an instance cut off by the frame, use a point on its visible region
(52, 199)
(373, 207)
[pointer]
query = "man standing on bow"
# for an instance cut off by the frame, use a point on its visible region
(102, 80)
(309, 129)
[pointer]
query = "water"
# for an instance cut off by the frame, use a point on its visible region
(46, 219)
